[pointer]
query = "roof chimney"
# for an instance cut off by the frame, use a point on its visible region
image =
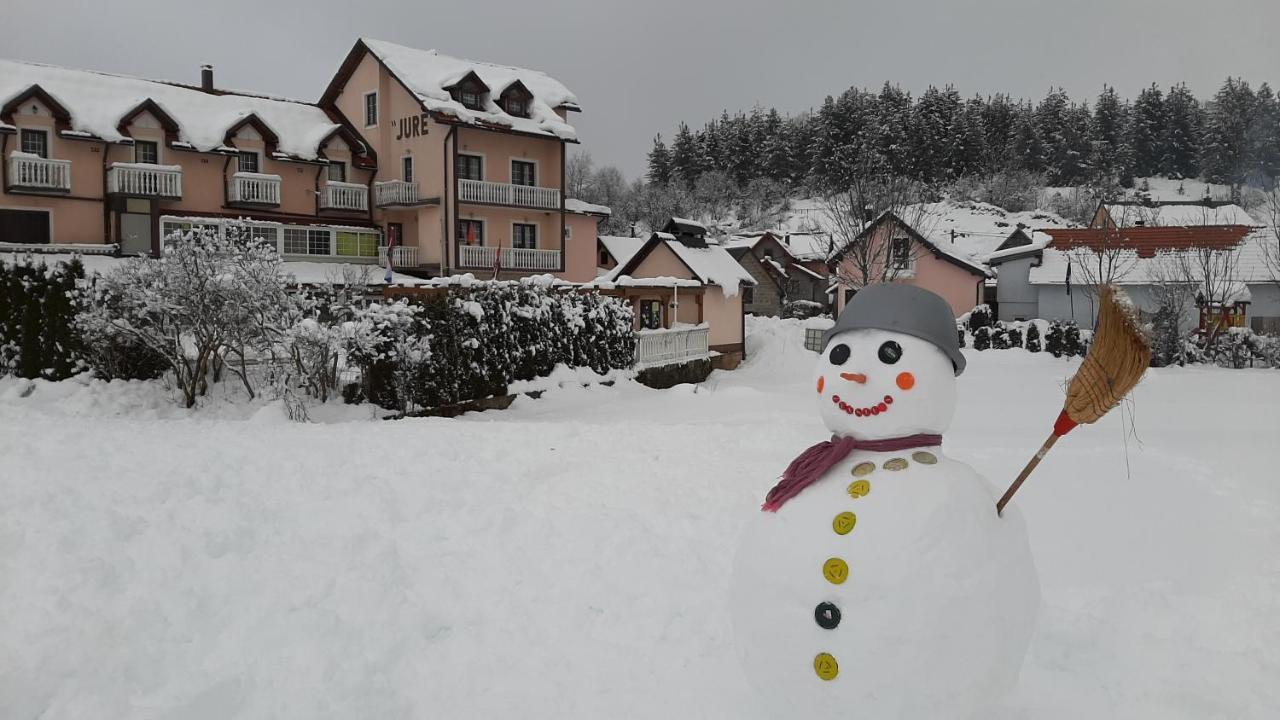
(206, 77)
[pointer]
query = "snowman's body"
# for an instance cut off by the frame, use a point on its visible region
(923, 605)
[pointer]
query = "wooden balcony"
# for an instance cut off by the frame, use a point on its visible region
(142, 179)
(671, 346)
(492, 193)
(482, 256)
(344, 196)
(32, 173)
(254, 189)
(394, 193)
(401, 256)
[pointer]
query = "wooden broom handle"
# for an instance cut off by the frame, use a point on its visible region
(1026, 472)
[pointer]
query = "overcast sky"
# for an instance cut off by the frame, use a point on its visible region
(640, 66)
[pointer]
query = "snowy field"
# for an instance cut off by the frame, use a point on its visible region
(569, 558)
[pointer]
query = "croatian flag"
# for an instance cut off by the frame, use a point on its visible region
(497, 261)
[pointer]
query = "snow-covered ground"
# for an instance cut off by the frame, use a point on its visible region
(569, 557)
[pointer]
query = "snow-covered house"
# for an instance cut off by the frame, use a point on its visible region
(458, 165)
(1179, 213)
(473, 170)
(1048, 274)
(780, 276)
(912, 259)
(679, 284)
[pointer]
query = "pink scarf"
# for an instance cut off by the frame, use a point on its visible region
(817, 460)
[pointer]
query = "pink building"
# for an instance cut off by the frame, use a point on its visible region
(458, 165)
(912, 259)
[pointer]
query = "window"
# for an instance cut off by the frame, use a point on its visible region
(146, 151)
(523, 172)
(900, 257)
(515, 106)
(248, 162)
(471, 232)
(604, 259)
(337, 171)
(306, 241)
(470, 167)
(370, 109)
(25, 226)
(470, 99)
(357, 244)
(35, 142)
(265, 234)
(524, 235)
(650, 314)
(406, 168)
(175, 230)
(748, 295)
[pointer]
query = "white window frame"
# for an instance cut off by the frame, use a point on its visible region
(280, 230)
(533, 225)
(511, 166)
(406, 162)
(22, 136)
(907, 263)
(484, 231)
(484, 165)
(345, 173)
(376, 109)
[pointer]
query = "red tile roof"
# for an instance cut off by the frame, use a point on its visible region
(1146, 241)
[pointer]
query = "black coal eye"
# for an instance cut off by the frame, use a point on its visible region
(839, 354)
(890, 353)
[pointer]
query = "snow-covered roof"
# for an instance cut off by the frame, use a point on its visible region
(802, 269)
(686, 222)
(426, 73)
(98, 101)
(1178, 215)
(580, 207)
(1251, 266)
(808, 245)
(975, 229)
(1039, 241)
(622, 248)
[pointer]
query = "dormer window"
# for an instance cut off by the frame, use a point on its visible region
(470, 91)
(515, 100)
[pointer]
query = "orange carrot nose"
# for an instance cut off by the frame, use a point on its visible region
(855, 377)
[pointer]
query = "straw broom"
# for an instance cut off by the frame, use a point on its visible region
(1115, 363)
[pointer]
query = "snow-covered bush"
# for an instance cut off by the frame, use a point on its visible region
(1072, 343)
(979, 317)
(1054, 340)
(1015, 337)
(473, 341)
(982, 338)
(999, 337)
(1033, 337)
(208, 303)
(38, 336)
(1237, 347)
(960, 334)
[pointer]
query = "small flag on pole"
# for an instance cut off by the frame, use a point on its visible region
(391, 245)
(497, 261)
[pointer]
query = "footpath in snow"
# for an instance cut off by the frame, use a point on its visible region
(569, 557)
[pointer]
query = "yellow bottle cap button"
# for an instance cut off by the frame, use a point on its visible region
(826, 666)
(858, 488)
(835, 570)
(844, 522)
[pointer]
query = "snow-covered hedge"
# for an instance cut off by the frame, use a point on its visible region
(38, 338)
(472, 342)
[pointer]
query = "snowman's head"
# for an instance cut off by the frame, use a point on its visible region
(889, 366)
(876, 384)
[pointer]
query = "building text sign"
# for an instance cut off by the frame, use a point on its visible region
(411, 127)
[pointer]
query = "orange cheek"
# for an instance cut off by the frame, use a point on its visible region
(822, 381)
(906, 380)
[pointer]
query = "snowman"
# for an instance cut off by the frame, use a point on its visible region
(879, 582)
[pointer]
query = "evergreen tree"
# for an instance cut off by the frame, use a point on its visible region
(1146, 132)
(1226, 139)
(999, 120)
(686, 163)
(1107, 137)
(1025, 147)
(1264, 137)
(893, 130)
(1184, 126)
(659, 162)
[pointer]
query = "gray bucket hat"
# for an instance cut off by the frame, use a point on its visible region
(905, 309)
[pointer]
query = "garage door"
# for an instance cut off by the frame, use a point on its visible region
(24, 226)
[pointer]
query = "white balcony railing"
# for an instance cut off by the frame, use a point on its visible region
(344, 196)
(493, 193)
(675, 345)
(37, 173)
(144, 179)
(401, 256)
(482, 256)
(254, 188)
(395, 192)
